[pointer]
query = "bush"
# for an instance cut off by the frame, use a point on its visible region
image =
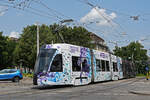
(30, 75)
(141, 75)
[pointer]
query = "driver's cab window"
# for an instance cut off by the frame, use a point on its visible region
(57, 64)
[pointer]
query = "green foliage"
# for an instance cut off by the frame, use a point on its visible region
(26, 49)
(7, 46)
(72, 35)
(134, 52)
(25, 52)
(30, 75)
(140, 75)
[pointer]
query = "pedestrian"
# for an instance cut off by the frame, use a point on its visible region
(147, 72)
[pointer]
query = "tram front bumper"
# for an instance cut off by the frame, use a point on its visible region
(44, 81)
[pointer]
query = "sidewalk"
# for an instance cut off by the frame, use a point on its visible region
(141, 87)
(11, 87)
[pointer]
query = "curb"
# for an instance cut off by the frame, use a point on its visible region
(140, 92)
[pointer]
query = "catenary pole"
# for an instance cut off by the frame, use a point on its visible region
(37, 38)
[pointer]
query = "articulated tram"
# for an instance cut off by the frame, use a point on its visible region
(65, 64)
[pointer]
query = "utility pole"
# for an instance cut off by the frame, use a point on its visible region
(133, 61)
(37, 38)
(35, 74)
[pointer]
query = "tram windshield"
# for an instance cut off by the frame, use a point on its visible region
(44, 59)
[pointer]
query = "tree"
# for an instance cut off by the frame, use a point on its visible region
(26, 49)
(72, 35)
(10, 47)
(2, 50)
(7, 47)
(134, 52)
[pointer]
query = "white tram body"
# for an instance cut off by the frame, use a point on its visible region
(102, 68)
(65, 64)
(120, 68)
(116, 64)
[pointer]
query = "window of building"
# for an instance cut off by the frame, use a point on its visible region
(98, 65)
(57, 64)
(107, 66)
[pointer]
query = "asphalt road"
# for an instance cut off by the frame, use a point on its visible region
(112, 90)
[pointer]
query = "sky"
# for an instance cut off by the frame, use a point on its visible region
(116, 21)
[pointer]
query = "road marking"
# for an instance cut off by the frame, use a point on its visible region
(64, 91)
(115, 94)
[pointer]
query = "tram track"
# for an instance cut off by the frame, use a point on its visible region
(86, 92)
(58, 89)
(34, 90)
(107, 87)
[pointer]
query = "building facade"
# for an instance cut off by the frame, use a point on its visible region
(99, 43)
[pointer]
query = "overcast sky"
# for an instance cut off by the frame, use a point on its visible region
(114, 20)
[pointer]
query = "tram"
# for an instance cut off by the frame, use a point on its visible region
(66, 64)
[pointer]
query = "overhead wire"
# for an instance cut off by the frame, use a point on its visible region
(109, 20)
(76, 22)
(32, 10)
(41, 13)
(56, 13)
(29, 11)
(106, 18)
(93, 22)
(38, 12)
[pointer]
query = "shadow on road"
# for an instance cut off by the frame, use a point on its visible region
(50, 87)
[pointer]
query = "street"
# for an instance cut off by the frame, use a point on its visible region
(112, 90)
(74, 50)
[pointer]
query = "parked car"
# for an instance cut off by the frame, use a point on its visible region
(14, 75)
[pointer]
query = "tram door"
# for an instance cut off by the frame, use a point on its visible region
(119, 64)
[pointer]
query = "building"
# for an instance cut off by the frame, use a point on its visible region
(99, 43)
(14, 39)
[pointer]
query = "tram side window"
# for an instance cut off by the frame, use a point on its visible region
(115, 69)
(107, 66)
(85, 65)
(103, 65)
(57, 64)
(98, 65)
(76, 66)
